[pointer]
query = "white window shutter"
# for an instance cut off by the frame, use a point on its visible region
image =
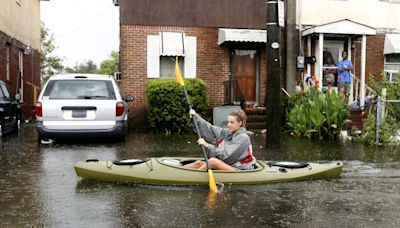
(190, 56)
(153, 57)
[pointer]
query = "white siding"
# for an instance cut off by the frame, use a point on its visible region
(374, 13)
(21, 21)
(190, 57)
(153, 57)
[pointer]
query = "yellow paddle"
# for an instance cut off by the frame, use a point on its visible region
(178, 74)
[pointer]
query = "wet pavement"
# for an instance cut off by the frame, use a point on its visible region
(39, 187)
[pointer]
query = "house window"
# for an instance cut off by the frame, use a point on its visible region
(162, 51)
(167, 66)
(392, 67)
(8, 62)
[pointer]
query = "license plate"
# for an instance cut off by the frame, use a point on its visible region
(78, 113)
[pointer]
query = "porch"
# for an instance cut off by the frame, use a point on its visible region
(328, 41)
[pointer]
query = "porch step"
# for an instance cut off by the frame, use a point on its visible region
(255, 111)
(256, 125)
(357, 119)
(256, 118)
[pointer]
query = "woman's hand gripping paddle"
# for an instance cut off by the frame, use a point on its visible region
(178, 74)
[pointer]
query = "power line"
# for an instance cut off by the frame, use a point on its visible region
(84, 24)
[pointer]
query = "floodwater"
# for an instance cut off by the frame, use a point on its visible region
(39, 187)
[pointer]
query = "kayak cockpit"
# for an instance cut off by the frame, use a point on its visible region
(180, 162)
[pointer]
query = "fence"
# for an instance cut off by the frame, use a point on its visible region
(380, 113)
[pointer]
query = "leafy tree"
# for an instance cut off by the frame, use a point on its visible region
(70, 70)
(110, 66)
(50, 64)
(86, 67)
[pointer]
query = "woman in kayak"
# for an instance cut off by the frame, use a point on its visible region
(227, 148)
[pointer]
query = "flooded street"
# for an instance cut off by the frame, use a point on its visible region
(39, 187)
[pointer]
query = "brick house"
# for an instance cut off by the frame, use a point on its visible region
(223, 43)
(20, 50)
(371, 42)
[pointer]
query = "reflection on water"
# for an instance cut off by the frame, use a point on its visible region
(39, 187)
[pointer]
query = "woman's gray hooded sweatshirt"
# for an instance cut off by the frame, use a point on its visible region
(234, 149)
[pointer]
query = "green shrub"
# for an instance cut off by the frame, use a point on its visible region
(316, 115)
(388, 128)
(390, 125)
(167, 106)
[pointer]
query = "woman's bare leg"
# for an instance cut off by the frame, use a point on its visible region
(215, 163)
(194, 165)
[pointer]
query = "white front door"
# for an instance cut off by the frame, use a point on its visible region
(332, 52)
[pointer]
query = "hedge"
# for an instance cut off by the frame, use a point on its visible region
(167, 106)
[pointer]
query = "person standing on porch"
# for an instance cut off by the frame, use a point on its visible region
(344, 68)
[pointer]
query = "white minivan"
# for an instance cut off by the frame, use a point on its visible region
(81, 105)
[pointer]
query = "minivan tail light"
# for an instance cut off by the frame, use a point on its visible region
(119, 109)
(38, 109)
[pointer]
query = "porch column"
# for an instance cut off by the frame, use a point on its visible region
(309, 54)
(351, 96)
(349, 47)
(363, 60)
(320, 58)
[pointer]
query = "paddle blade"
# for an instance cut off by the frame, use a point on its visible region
(178, 73)
(213, 185)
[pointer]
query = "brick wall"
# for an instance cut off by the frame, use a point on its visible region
(213, 65)
(375, 56)
(31, 72)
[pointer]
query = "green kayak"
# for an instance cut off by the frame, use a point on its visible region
(169, 171)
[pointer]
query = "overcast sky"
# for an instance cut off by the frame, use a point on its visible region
(83, 29)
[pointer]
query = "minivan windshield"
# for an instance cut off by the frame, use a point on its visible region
(80, 89)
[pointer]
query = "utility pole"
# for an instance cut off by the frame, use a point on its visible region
(292, 45)
(274, 62)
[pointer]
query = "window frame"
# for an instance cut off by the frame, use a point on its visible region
(154, 53)
(181, 60)
(392, 73)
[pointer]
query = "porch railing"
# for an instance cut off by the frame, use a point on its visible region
(354, 97)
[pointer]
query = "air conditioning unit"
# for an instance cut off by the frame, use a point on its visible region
(118, 76)
(116, 2)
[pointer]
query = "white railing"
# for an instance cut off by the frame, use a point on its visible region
(355, 89)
